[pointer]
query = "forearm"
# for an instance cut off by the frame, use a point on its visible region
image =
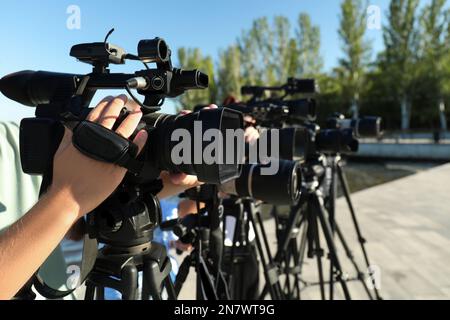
(28, 242)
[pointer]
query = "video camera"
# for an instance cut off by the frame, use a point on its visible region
(61, 98)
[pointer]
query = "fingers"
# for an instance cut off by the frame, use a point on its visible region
(249, 120)
(97, 111)
(129, 124)
(107, 112)
(177, 178)
(111, 112)
(140, 140)
(251, 135)
(183, 112)
(185, 180)
(211, 106)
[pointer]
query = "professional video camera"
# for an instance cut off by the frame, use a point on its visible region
(63, 97)
(301, 143)
(126, 220)
(276, 109)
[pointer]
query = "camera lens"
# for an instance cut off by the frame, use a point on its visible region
(369, 127)
(336, 141)
(189, 147)
(281, 188)
(292, 143)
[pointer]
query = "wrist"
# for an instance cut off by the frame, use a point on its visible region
(63, 198)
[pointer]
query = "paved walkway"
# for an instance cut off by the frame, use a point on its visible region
(407, 225)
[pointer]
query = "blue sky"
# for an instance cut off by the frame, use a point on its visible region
(34, 33)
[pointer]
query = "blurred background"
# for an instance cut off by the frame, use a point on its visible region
(379, 57)
(389, 58)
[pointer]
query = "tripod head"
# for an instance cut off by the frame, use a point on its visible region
(129, 217)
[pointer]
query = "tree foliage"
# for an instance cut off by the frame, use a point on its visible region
(404, 84)
(356, 49)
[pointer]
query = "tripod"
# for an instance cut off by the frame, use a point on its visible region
(118, 270)
(203, 231)
(249, 214)
(311, 214)
(308, 216)
(338, 175)
(125, 224)
(240, 256)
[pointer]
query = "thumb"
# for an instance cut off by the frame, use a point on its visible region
(140, 140)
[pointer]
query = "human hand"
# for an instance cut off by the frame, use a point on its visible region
(86, 182)
(251, 134)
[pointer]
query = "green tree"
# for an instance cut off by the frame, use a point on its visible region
(192, 58)
(399, 58)
(229, 78)
(309, 60)
(433, 71)
(283, 55)
(356, 49)
(268, 53)
(255, 46)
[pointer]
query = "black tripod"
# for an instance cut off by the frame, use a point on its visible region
(338, 175)
(249, 215)
(118, 270)
(304, 221)
(125, 224)
(240, 254)
(203, 231)
(309, 214)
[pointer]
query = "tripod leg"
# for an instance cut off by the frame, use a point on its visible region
(317, 250)
(171, 293)
(90, 290)
(153, 277)
(269, 254)
(183, 272)
(332, 216)
(301, 255)
(100, 293)
(129, 282)
(270, 275)
(237, 232)
(361, 239)
(287, 282)
(352, 260)
(330, 243)
(206, 288)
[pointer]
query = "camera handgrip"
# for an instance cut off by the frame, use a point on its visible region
(102, 144)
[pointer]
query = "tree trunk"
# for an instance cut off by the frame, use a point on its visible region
(406, 112)
(442, 115)
(355, 107)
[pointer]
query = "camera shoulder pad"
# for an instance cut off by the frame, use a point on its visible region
(103, 144)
